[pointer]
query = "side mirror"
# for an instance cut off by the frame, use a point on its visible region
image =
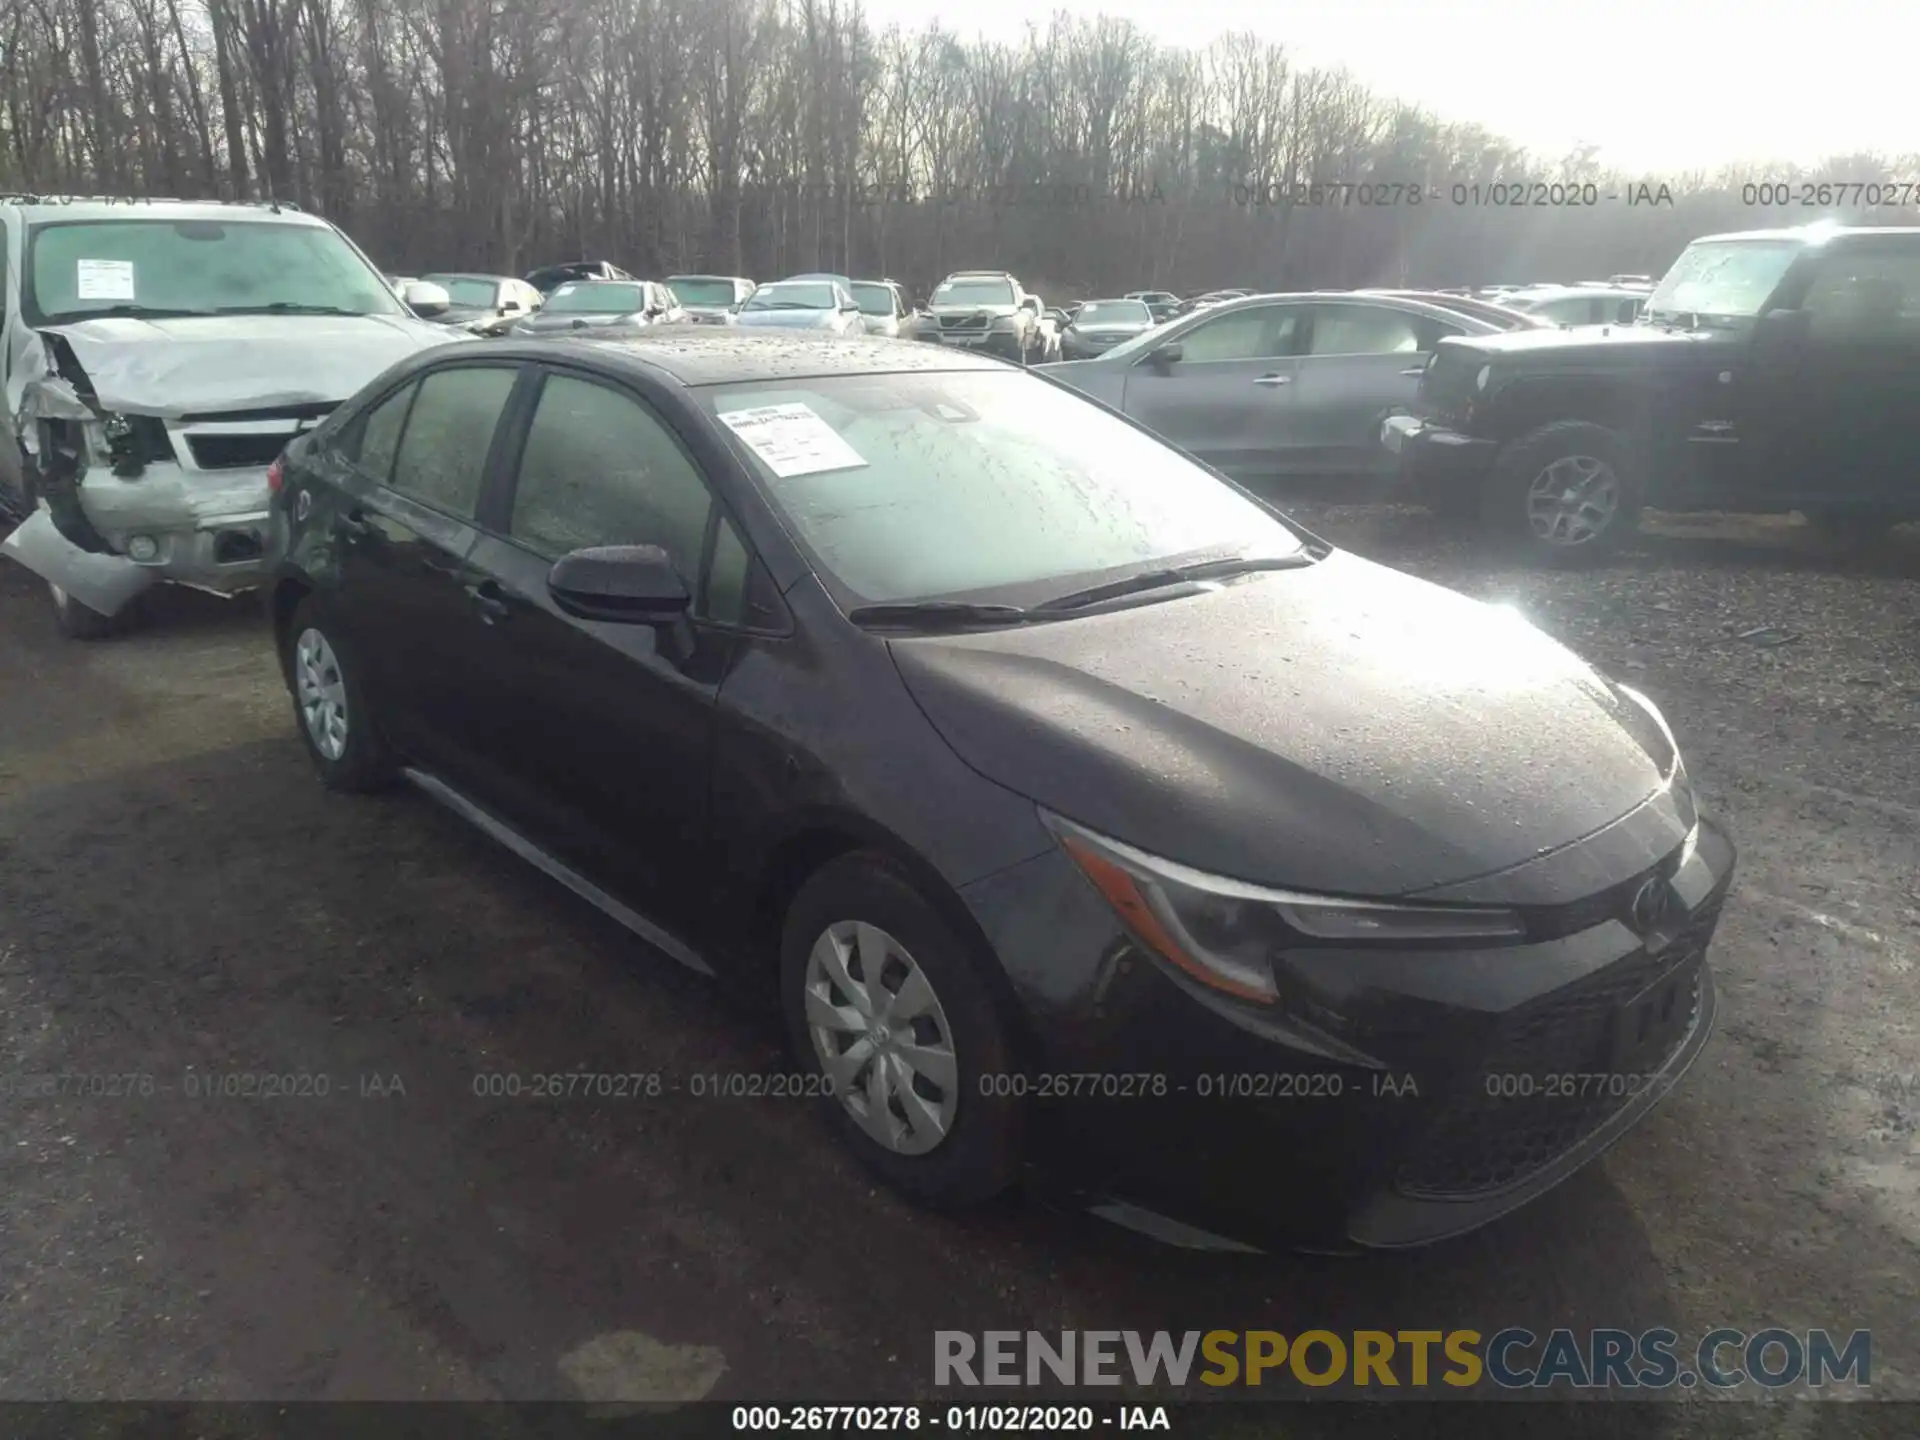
(510, 307)
(626, 584)
(424, 298)
(1166, 355)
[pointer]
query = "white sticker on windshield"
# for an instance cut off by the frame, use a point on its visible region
(104, 280)
(793, 440)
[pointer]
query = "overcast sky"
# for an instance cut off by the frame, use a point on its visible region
(1669, 86)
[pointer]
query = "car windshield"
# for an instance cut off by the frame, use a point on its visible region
(797, 295)
(128, 267)
(920, 486)
(974, 292)
(604, 297)
(701, 290)
(873, 298)
(465, 289)
(1114, 312)
(1723, 277)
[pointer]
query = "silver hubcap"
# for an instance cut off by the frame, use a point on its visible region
(1573, 500)
(322, 693)
(881, 1037)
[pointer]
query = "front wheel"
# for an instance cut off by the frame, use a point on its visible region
(83, 622)
(885, 1004)
(1567, 492)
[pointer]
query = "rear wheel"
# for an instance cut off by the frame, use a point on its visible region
(1567, 492)
(330, 705)
(884, 1002)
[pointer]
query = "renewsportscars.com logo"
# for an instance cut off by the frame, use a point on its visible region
(1510, 1359)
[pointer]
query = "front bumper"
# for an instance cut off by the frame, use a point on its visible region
(1004, 343)
(1434, 459)
(204, 528)
(1462, 1084)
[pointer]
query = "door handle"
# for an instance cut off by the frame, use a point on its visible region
(1274, 380)
(489, 600)
(1416, 370)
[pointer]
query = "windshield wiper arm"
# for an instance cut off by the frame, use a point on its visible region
(287, 307)
(926, 614)
(136, 312)
(1169, 576)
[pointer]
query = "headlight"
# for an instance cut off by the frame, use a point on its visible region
(1225, 933)
(1480, 380)
(1676, 779)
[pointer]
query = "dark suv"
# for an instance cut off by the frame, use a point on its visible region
(1770, 371)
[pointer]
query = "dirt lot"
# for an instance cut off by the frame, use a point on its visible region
(177, 894)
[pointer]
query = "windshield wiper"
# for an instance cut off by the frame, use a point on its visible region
(288, 307)
(136, 312)
(1169, 576)
(926, 614)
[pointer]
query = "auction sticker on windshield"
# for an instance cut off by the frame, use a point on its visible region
(104, 280)
(792, 439)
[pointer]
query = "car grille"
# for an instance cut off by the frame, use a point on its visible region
(236, 452)
(963, 322)
(1485, 1139)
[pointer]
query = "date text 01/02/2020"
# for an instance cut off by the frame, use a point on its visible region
(954, 1419)
(1498, 194)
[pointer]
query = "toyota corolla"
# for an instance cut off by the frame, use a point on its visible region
(1088, 819)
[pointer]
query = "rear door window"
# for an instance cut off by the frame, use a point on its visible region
(442, 455)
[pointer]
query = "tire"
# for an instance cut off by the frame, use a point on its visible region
(1519, 505)
(353, 757)
(81, 622)
(977, 1156)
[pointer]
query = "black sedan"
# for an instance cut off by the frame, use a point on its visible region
(1076, 808)
(1099, 325)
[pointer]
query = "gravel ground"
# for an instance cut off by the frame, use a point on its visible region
(178, 895)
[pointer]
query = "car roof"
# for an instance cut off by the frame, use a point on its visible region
(735, 279)
(107, 207)
(692, 355)
(1563, 292)
(1806, 234)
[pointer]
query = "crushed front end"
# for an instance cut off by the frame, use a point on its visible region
(131, 499)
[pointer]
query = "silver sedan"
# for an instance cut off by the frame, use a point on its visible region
(1277, 387)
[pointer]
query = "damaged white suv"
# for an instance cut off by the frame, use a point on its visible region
(157, 355)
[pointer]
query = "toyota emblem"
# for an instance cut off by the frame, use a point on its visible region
(1650, 904)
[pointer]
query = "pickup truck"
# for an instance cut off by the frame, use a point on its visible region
(1770, 371)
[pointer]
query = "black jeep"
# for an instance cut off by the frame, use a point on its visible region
(1772, 371)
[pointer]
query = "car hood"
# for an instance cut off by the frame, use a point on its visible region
(198, 364)
(1342, 728)
(785, 319)
(1109, 332)
(1588, 346)
(459, 315)
(540, 322)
